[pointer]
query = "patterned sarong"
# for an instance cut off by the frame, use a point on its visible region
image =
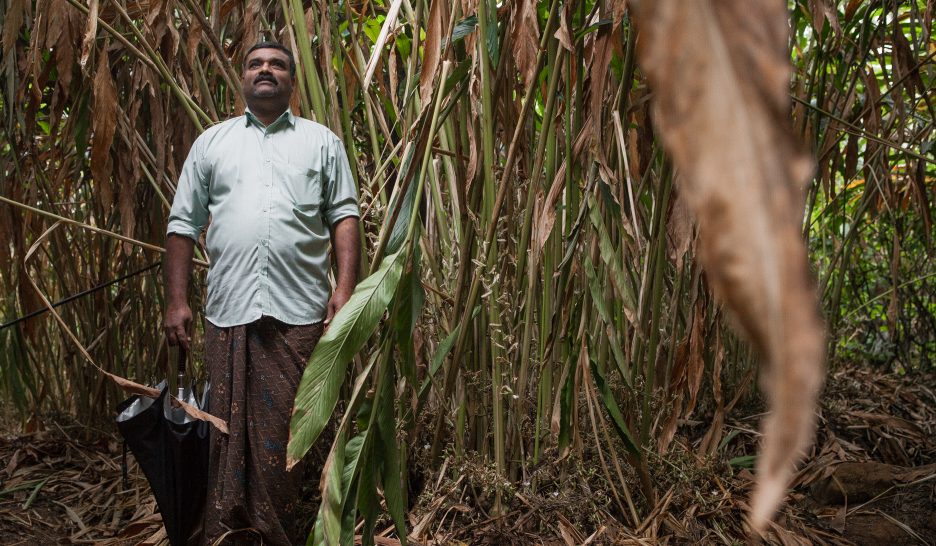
(254, 372)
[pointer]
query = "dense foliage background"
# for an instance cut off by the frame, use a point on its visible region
(581, 318)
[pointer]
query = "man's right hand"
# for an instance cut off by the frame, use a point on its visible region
(178, 269)
(178, 325)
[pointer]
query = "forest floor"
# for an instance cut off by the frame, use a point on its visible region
(870, 479)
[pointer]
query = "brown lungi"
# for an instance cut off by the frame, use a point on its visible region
(254, 371)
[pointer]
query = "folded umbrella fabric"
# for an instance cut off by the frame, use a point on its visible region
(171, 448)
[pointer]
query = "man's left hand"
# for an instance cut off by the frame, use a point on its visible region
(335, 303)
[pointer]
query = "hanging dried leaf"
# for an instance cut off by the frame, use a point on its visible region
(251, 26)
(720, 72)
(525, 39)
(431, 52)
(695, 367)
(564, 32)
(714, 434)
(851, 8)
(601, 52)
(104, 122)
(64, 23)
(90, 33)
(547, 216)
(13, 21)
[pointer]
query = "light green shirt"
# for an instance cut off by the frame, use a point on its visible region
(271, 193)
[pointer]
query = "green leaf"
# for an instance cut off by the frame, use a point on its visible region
(328, 516)
(464, 27)
(352, 449)
(441, 352)
(332, 497)
(744, 461)
(391, 469)
(566, 406)
(349, 329)
(617, 418)
(401, 226)
(352, 461)
(367, 502)
(407, 307)
(601, 305)
(610, 257)
(457, 76)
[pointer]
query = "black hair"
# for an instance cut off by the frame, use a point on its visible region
(274, 45)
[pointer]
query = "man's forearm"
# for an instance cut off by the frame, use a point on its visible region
(347, 253)
(177, 267)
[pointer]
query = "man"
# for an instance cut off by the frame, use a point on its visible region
(276, 187)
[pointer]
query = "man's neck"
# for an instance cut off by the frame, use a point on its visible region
(265, 115)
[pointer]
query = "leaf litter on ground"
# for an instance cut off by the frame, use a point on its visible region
(64, 484)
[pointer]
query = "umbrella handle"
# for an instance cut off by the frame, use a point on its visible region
(182, 359)
(181, 378)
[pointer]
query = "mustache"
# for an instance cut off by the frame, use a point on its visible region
(264, 78)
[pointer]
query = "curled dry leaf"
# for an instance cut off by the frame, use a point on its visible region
(720, 75)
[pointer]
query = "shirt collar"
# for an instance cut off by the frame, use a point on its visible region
(286, 117)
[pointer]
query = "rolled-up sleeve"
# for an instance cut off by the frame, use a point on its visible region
(189, 213)
(341, 199)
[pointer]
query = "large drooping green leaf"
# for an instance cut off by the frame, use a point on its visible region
(349, 329)
(334, 498)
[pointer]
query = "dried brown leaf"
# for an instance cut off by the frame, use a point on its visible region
(13, 20)
(679, 231)
(547, 216)
(90, 32)
(104, 123)
(564, 31)
(251, 25)
(432, 51)
(851, 8)
(695, 367)
(525, 39)
(598, 78)
(905, 63)
(720, 73)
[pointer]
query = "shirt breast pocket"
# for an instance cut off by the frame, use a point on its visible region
(304, 187)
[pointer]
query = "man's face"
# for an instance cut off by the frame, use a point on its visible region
(267, 77)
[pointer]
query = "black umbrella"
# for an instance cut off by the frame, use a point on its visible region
(172, 450)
